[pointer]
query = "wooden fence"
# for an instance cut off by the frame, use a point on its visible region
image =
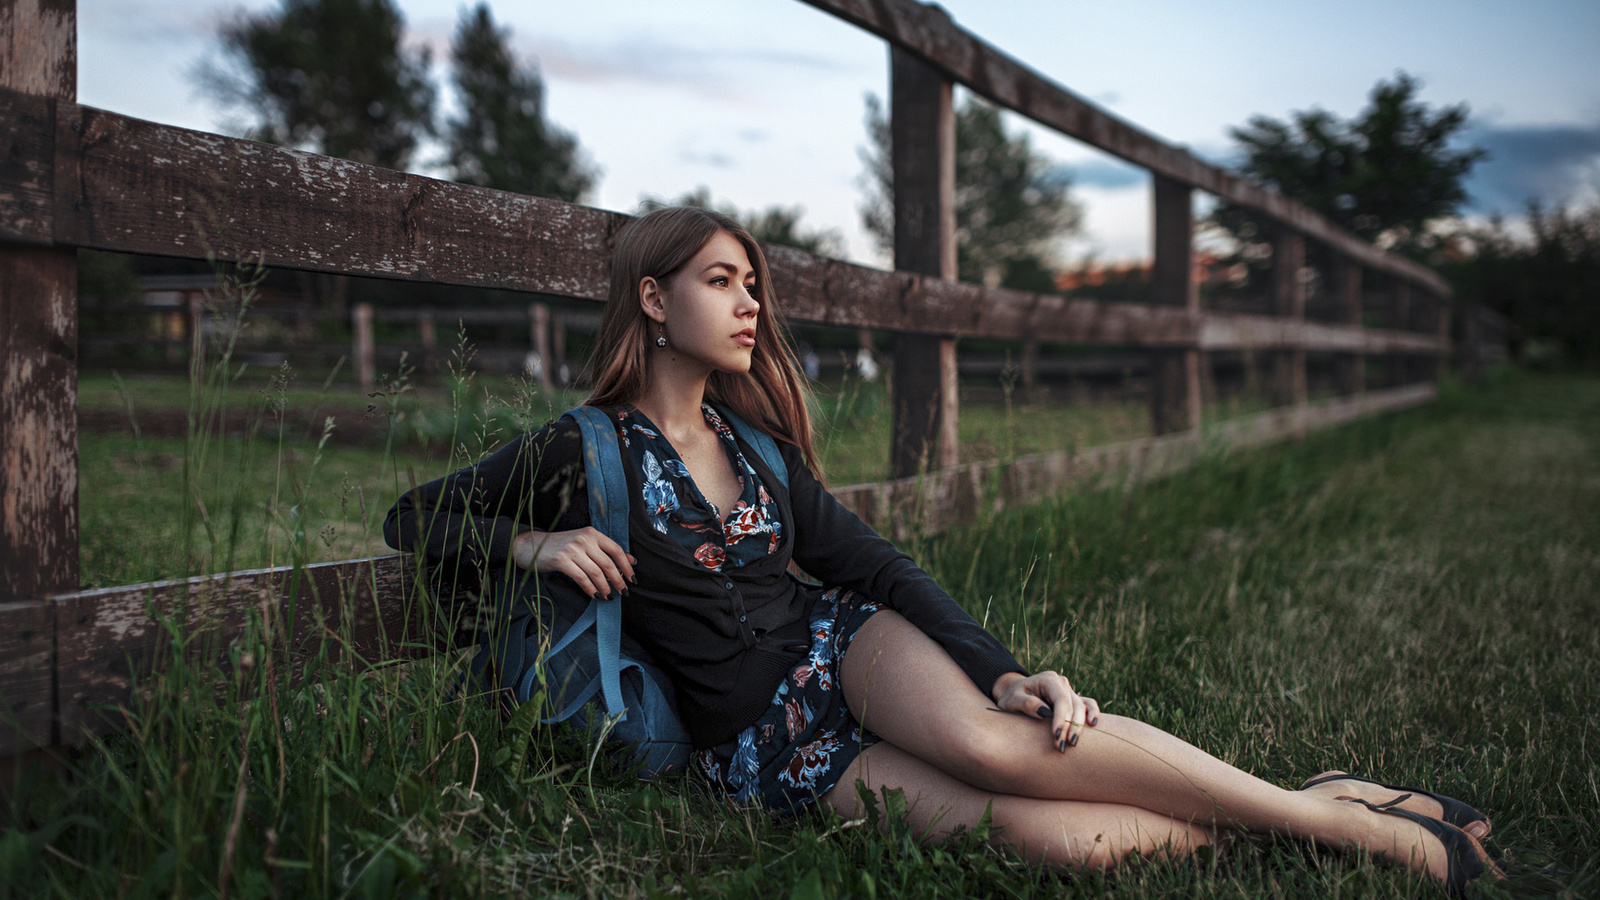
(74, 176)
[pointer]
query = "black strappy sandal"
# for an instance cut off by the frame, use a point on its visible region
(1455, 812)
(1466, 864)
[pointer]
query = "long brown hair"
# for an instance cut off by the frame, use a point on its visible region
(773, 395)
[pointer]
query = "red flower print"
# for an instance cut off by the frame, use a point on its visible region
(809, 761)
(801, 675)
(746, 520)
(710, 556)
(796, 717)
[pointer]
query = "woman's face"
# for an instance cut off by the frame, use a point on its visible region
(708, 308)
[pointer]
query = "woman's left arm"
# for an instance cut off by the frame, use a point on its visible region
(833, 544)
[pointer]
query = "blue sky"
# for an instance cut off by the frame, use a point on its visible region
(762, 100)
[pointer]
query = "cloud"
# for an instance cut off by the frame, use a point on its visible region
(651, 61)
(146, 23)
(1556, 164)
(1107, 174)
(713, 159)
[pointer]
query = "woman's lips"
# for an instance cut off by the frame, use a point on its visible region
(746, 337)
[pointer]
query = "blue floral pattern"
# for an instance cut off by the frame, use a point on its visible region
(800, 747)
(678, 509)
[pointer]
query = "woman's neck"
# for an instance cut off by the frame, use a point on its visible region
(673, 403)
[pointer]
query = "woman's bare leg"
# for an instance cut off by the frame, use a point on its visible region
(904, 687)
(1058, 833)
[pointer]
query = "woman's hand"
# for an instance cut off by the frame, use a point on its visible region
(596, 563)
(1048, 696)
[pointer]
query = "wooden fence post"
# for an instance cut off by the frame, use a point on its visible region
(923, 156)
(1471, 336)
(361, 350)
(1174, 373)
(38, 398)
(1397, 317)
(429, 330)
(194, 306)
(1350, 368)
(558, 350)
(1441, 359)
(1288, 380)
(539, 336)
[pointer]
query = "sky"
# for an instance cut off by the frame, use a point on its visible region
(762, 101)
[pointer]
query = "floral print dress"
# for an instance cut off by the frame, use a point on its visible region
(799, 748)
(718, 541)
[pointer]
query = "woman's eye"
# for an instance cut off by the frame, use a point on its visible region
(720, 281)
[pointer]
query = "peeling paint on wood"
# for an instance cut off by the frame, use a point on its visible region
(26, 668)
(107, 638)
(39, 47)
(38, 425)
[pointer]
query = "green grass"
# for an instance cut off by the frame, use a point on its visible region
(271, 487)
(1412, 597)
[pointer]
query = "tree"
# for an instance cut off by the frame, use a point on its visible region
(1386, 175)
(501, 139)
(774, 225)
(329, 76)
(1012, 203)
(1547, 284)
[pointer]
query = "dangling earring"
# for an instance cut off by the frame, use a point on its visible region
(661, 335)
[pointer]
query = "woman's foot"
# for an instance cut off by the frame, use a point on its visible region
(1428, 846)
(1352, 787)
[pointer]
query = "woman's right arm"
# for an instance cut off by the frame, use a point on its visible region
(468, 521)
(524, 505)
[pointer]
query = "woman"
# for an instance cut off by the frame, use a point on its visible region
(879, 677)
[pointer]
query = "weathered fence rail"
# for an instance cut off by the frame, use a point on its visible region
(72, 176)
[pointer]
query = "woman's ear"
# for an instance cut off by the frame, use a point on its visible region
(652, 299)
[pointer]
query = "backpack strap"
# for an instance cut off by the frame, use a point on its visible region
(608, 512)
(759, 441)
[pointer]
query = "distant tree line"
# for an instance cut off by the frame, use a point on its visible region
(1547, 282)
(1394, 175)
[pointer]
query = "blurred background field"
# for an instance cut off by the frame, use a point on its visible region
(270, 480)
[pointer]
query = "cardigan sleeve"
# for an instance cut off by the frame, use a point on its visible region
(464, 523)
(833, 544)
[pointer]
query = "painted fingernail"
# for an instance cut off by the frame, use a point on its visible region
(1061, 746)
(1072, 741)
(1094, 721)
(1042, 711)
(1058, 732)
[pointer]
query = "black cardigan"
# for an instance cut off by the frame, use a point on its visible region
(727, 638)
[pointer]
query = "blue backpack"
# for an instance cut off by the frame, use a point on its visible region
(593, 656)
